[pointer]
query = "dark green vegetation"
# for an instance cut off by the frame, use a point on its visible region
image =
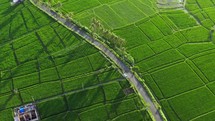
(68, 79)
(174, 49)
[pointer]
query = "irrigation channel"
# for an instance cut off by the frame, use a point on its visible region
(130, 76)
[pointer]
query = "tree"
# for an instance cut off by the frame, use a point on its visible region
(57, 6)
(110, 38)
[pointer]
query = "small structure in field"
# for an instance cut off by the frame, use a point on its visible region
(26, 113)
(16, 2)
(128, 91)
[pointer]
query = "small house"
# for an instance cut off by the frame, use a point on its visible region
(26, 113)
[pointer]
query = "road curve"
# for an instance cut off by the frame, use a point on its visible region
(126, 70)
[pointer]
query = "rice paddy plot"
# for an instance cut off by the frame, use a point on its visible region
(173, 78)
(200, 101)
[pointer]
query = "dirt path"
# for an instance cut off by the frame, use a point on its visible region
(126, 70)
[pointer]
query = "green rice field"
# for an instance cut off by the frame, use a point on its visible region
(43, 62)
(173, 48)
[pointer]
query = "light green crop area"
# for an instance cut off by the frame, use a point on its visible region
(43, 62)
(173, 48)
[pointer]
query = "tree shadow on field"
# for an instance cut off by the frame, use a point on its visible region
(83, 100)
(35, 56)
(112, 110)
(3, 24)
(115, 104)
(3, 105)
(109, 75)
(72, 55)
(5, 80)
(15, 31)
(12, 12)
(4, 83)
(6, 21)
(24, 68)
(50, 41)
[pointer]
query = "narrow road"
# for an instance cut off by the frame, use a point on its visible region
(126, 70)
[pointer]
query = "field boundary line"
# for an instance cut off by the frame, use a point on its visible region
(185, 92)
(204, 114)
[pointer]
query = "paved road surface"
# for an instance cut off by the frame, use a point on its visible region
(126, 70)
